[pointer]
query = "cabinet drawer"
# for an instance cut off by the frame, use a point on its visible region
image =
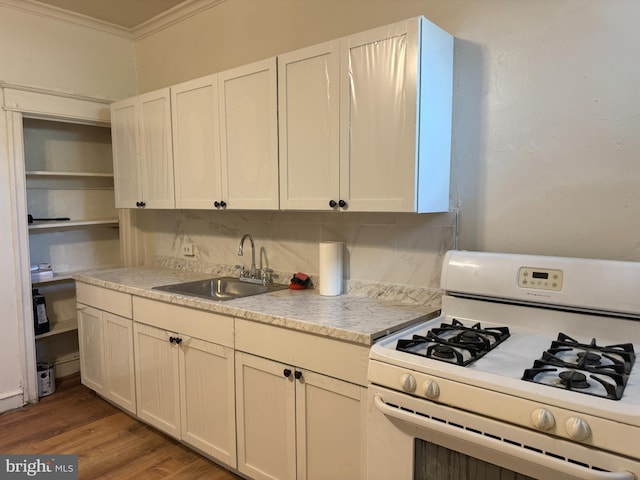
(338, 359)
(104, 299)
(207, 326)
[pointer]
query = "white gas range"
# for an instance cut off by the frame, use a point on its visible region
(532, 367)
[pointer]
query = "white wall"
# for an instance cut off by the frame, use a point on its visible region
(546, 112)
(56, 55)
(546, 141)
(51, 54)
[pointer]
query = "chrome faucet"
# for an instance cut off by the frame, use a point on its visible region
(252, 272)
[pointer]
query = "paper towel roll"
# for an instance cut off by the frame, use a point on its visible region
(330, 268)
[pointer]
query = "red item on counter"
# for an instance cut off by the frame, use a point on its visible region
(299, 281)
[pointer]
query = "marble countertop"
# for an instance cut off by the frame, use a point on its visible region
(351, 318)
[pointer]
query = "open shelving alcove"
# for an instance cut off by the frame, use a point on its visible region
(60, 147)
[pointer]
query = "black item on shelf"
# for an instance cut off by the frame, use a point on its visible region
(40, 319)
(30, 219)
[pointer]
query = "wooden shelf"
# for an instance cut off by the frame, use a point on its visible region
(69, 225)
(57, 277)
(45, 173)
(68, 276)
(60, 327)
(73, 179)
(46, 180)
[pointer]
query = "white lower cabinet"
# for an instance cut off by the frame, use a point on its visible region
(106, 344)
(157, 378)
(90, 328)
(330, 425)
(206, 395)
(266, 420)
(292, 422)
(291, 407)
(118, 359)
(185, 384)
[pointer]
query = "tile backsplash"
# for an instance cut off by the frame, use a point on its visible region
(387, 255)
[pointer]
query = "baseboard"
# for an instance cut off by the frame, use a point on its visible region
(65, 367)
(11, 400)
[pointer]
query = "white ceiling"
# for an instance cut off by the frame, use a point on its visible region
(124, 13)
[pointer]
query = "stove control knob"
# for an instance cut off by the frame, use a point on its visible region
(431, 389)
(408, 382)
(542, 419)
(577, 428)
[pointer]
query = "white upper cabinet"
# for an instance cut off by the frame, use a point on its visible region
(143, 152)
(395, 95)
(361, 123)
(125, 138)
(225, 139)
(196, 143)
(308, 97)
(156, 153)
(249, 136)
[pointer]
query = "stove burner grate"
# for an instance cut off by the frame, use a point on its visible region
(577, 363)
(455, 342)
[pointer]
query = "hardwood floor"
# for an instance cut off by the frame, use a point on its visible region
(109, 443)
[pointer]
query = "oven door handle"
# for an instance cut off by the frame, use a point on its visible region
(574, 470)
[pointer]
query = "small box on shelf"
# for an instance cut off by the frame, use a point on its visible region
(41, 271)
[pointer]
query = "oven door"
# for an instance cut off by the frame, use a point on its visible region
(413, 438)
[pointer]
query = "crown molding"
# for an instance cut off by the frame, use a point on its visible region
(53, 92)
(40, 9)
(174, 15)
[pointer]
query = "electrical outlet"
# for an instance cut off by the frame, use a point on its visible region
(189, 249)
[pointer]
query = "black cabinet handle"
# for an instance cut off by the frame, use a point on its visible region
(332, 203)
(216, 204)
(178, 340)
(286, 372)
(142, 204)
(342, 204)
(223, 204)
(298, 374)
(172, 339)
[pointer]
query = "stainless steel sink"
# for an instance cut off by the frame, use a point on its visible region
(221, 288)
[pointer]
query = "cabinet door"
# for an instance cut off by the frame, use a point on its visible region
(378, 121)
(125, 135)
(249, 136)
(208, 398)
(265, 418)
(90, 342)
(118, 361)
(331, 423)
(196, 143)
(308, 107)
(157, 378)
(156, 151)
